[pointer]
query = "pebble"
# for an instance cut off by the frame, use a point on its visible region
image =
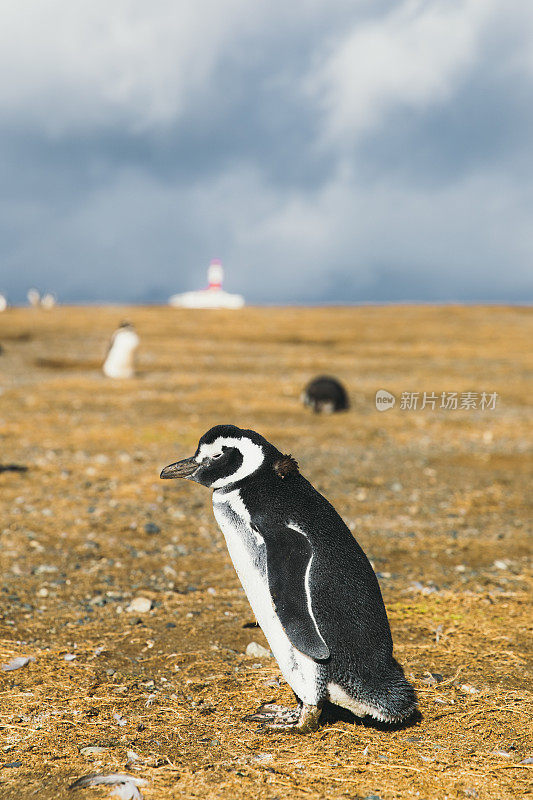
(500, 564)
(272, 682)
(425, 590)
(432, 678)
(256, 650)
(469, 689)
(69, 656)
(140, 605)
(151, 527)
(16, 663)
(92, 751)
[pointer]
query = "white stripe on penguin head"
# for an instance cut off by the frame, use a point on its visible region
(252, 457)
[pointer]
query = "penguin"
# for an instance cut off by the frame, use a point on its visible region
(121, 351)
(325, 395)
(3, 303)
(48, 301)
(34, 298)
(310, 585)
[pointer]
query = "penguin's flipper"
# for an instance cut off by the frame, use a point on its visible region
(288, 556)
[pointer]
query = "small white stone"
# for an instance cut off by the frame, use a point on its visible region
(262, 757)
(500, 564)
(17, 663)
(92, 751)
(469, 689)
(69, 656)
(255, 650)
(140, 605)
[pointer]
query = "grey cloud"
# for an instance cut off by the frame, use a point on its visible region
(104, 198)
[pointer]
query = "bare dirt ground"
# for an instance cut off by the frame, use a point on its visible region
(437, 498)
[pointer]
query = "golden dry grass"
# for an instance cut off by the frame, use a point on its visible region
(434, 497)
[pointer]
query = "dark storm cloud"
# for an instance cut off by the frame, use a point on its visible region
(359, 152)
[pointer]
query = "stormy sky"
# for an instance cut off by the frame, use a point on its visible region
(339, 151)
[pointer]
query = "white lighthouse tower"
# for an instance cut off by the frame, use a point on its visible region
(212, 297)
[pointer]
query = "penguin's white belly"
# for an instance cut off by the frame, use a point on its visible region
(119, 361)
(248, 553)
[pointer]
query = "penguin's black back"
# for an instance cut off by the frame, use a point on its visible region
(346, 598)
(325, 391)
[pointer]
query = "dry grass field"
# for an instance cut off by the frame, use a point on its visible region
(437, 498)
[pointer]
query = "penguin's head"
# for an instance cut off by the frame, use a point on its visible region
(226, 455)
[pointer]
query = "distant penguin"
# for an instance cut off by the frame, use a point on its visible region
(119, 361)
(48, 301)
(34, 298)
(3, 303)
(325, 395)
(309, 583)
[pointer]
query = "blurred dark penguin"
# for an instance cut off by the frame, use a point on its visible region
(310, 585)
(325, 395)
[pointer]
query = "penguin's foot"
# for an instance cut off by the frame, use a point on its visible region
(303, 719)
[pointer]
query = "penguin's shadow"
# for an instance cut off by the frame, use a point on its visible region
(332, 713)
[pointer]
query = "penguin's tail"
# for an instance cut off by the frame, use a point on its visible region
(394, 701)
(390, 698)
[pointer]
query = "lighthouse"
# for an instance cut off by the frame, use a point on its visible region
(215, 275)
(212, 297)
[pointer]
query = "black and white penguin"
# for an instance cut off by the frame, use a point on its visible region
(119, 361)
(325, 395)
(309, 583)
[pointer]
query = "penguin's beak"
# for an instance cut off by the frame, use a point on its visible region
(181, 469)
